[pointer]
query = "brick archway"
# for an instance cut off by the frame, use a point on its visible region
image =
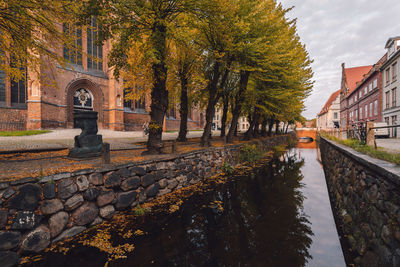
(98, 98)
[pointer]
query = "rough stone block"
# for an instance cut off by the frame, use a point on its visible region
(3, 218)
(107, 212)
(130, 183)
(9, 239)
(91, 194)
(8, 193)
(172, 184)
(162, 165)
(105, 198)
(8, 258)
(82, 183)
(70, 233)
(74, 202)
(124, 173)
(96, 221)
(49, 190)
(112, 179)
(37, 240)
(51, 206)
(27, 198)
(66, 188)
(164, 191)
(125, 199)
(85, 214)
(147, 180)
(152, 190)
(163, 183)
(57, 223)
(25, 220)
(158, 175)
(96, 179)
(137, 171)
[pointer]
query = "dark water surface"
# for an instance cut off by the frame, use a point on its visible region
(278, 216)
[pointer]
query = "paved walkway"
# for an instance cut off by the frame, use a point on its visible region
(389, 144)
(65, 139)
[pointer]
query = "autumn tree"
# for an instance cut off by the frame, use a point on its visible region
(31, 32)
(185, 70)
(147, 22)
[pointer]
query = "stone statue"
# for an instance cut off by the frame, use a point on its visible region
(88, 144)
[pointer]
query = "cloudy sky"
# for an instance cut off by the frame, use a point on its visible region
(336, 31)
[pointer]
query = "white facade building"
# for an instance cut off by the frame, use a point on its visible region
(391, 86)
(329, 116)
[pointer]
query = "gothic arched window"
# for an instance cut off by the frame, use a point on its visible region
(83, 99)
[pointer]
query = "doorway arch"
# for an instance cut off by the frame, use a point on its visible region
(84, 94)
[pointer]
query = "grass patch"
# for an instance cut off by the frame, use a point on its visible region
(23, 133)
(250, 153)
(370, 151)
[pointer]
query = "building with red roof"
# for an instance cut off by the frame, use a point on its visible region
(365, 101)
(350, 77)
(328, 117)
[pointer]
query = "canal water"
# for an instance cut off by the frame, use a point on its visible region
(279, 215)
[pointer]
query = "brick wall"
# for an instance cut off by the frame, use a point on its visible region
(12, 119)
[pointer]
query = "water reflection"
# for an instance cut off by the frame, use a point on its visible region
(255, 220)
(252, 221)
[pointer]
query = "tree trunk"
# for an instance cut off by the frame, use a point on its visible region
(183, 108)
(264, 128)
(159, 93)
(212, 101)
(249, 133)
(224, 114)
(244, 79)
(277, 126)
(270, 126)
(256, 132)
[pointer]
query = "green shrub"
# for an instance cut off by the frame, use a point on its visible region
(227, 168)
(370, 151)
(139, 211)
(279, 150)
(250, 153)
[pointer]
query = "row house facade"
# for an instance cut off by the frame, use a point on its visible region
(365, 102)
(328, 118)
(349, 83)
(391, 85)
(87, 83)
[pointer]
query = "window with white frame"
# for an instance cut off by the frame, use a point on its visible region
(375, 83)
(394, 72)
(387, 76)
(376, 107)
(361, 113)
(387, 99)
(365, 90)
(366, 111)
(370, 109)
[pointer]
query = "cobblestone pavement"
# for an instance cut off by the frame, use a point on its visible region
(65, 138)
(389, 144)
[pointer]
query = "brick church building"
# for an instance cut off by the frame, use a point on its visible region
(85, 84)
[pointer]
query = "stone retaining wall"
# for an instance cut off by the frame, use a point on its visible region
(34, 213)
(365, 197)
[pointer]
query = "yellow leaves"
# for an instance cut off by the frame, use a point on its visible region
(139, 232)
(175, 207)
(217, 204)
(102, 241)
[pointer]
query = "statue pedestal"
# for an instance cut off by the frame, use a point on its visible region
(88, 144)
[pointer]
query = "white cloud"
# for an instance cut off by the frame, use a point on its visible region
(354, 32)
